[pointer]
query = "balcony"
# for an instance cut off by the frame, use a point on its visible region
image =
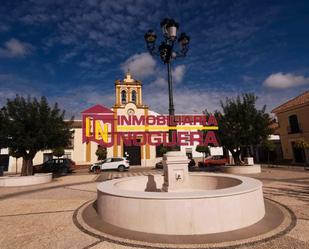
(294, 129)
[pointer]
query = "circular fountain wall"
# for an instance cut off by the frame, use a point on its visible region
(213, 203)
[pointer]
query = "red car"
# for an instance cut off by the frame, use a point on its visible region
(213, 161)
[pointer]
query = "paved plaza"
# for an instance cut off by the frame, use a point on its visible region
(44, 216)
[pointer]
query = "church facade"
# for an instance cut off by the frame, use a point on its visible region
(128, 101)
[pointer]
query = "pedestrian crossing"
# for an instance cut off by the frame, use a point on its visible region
(110, 175)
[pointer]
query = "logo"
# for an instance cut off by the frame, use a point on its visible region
(98, 125)
(105, 127)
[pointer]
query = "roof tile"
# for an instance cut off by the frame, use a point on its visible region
(97, 109)
(299, 100)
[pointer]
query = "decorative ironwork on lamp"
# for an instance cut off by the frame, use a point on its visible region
(168, 52)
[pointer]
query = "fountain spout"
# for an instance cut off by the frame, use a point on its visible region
(176, 175)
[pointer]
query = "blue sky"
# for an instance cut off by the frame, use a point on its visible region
(73, 51)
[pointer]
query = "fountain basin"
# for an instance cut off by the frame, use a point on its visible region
(213, 203)
(245, 169)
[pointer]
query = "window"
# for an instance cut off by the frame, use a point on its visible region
(294, 126)
(134, 96)
(47, 157)
(123, 96)
(117, 159)
(50, 162)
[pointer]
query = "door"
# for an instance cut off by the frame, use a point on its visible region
(299, 154)
(115, 162)
(134, 154)
(108, 164)
(216, 160)
(49, 165)
(221, 160)
(4, 162)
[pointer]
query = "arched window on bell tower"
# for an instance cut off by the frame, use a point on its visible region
(123, 96)
(133, 96)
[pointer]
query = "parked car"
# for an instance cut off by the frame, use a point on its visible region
(61, 166)
(159, 165)
(191, 163)
(213, 161)
(120, 163)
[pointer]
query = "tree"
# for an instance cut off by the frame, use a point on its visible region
(101, 153)
(269, 146)
(301, 144)
(241, 124)
(33, 126)
(4, 138)
(58, 152)
(203, 149)
(163, 149)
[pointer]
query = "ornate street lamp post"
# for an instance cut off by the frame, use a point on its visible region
(168, 52)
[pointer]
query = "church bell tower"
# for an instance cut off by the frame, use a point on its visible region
(129, 101)
(128, 91)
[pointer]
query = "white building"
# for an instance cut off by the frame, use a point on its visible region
(128, 101)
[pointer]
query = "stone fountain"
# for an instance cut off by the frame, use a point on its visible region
(179, 203)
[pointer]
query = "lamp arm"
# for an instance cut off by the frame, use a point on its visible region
(152, 49)
(182, 52)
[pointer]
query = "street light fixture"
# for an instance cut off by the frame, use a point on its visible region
(167, 52)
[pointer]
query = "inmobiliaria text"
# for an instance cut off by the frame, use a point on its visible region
(178, 130)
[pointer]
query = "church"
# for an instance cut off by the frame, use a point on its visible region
(128, 101)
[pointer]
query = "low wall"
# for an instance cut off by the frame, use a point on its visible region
(15, 181)
(247, 169)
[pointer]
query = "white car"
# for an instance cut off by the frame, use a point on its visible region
(120, 163)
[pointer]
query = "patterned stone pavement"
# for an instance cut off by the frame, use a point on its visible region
(42, 216)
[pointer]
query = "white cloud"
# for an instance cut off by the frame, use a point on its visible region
(159, 81)
(74, 101)
(11, 84)
(15, 48)
(141, 65)
(144, 65)
(283, 81)
(186, 100)
(178, 73)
